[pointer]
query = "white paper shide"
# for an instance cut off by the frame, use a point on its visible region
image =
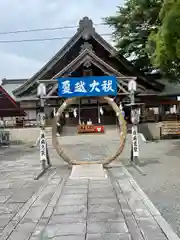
(42, 147)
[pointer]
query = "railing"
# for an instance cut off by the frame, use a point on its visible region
(170, 129)
(171, 117)
(151, 118)
(26, 123)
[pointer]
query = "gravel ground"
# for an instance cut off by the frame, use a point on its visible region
(161, 162)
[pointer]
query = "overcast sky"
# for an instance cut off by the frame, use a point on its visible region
(22, 60)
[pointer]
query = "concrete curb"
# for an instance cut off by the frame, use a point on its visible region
(165, 227)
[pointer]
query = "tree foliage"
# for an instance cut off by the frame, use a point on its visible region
(164, 44)
(132, 25)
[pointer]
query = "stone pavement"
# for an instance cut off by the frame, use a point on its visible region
(80, 207)
(84, 209)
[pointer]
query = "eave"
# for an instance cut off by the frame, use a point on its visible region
(24, 99)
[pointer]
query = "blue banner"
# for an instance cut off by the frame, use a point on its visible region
(87, 86)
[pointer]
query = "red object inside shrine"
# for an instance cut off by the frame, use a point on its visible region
(84, 128)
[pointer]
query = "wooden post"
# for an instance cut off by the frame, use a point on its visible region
(143, 109)
(178, 109)
(162, 112)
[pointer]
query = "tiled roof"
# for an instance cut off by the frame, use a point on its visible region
(170, 88)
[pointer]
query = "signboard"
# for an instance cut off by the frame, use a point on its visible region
(87, 86)
(90, 129)
(42, 144)
(135, 142)
(99, 129)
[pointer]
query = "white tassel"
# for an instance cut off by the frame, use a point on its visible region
(120, 107)
(54, 112)
(101, 111)
(67, 115)
(75, 113)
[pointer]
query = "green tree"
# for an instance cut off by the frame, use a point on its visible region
(164, 44)
(132, 25)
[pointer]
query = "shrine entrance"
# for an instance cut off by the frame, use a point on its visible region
(88, 110)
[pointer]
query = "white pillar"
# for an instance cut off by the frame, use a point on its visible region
(99, 115)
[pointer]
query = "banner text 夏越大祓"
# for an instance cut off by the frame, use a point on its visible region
(87, 86)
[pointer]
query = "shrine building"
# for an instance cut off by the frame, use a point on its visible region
(87, 53)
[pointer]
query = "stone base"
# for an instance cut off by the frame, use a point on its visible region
(94, 171)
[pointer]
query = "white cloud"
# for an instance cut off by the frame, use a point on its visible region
(15, 66)
(23, 59)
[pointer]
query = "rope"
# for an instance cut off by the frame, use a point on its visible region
(108, 160)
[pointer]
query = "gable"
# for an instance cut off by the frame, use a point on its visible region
(87, 57)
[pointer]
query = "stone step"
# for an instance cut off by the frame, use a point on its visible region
(93, 172)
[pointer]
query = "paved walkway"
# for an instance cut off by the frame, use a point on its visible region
(62, 208)
(65, 205)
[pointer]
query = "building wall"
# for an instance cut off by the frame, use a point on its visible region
(25, 135)
(30, 110)
(151, 131)
(10, 121)
(31, 114)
